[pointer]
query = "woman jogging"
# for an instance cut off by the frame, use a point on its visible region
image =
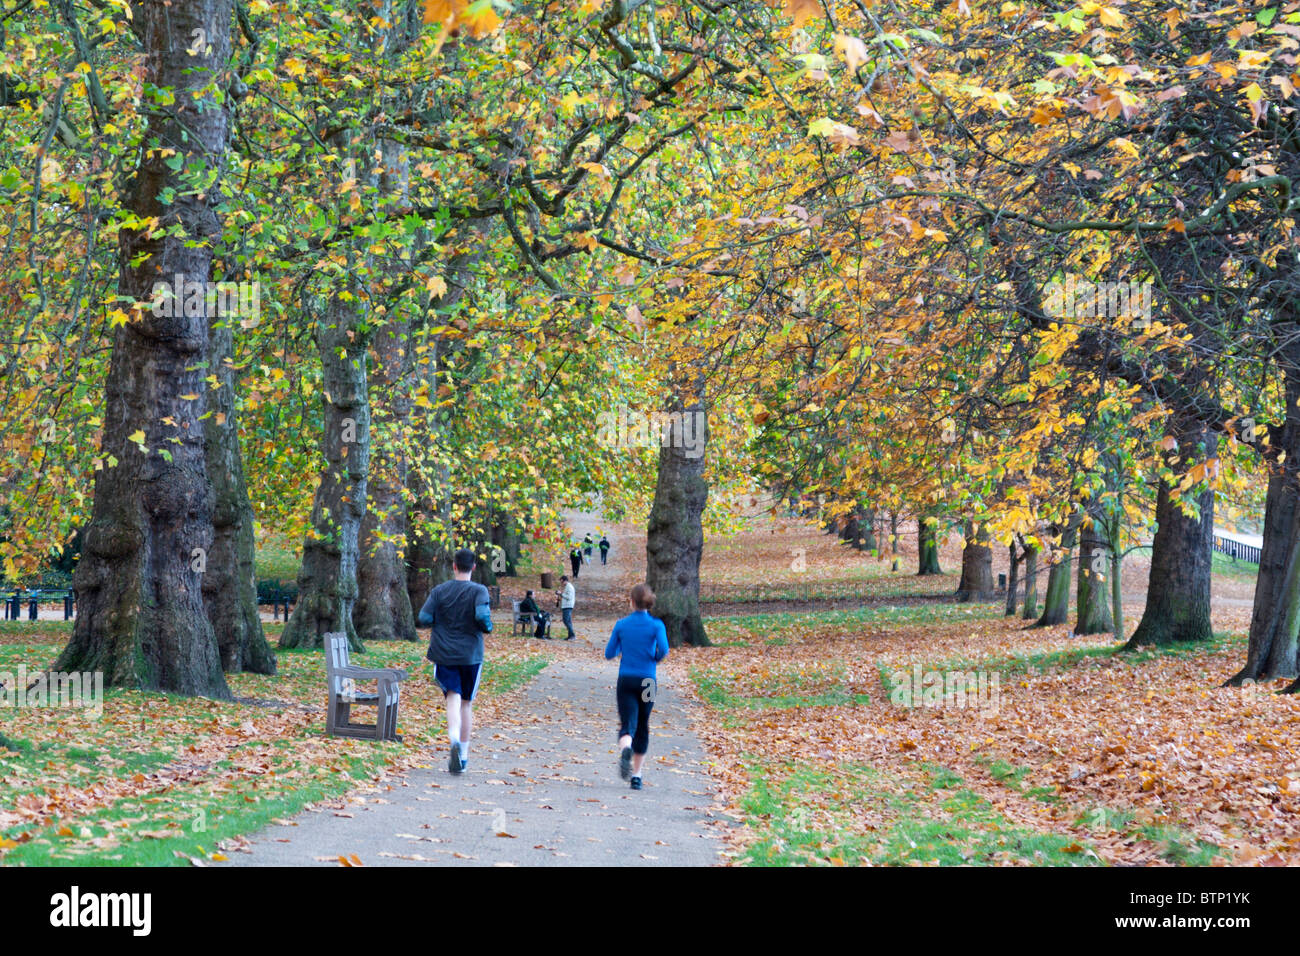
(642, 642)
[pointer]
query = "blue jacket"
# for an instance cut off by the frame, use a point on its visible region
(641, 640)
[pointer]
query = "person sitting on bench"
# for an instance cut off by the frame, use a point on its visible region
(529, 606)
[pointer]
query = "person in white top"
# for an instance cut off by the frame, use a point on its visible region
(567, 595)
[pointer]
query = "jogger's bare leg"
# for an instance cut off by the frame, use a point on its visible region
(466, 720)
(454, 711)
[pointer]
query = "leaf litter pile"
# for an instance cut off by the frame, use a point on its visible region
(1077, 755)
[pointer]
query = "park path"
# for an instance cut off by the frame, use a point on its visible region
(542, 787)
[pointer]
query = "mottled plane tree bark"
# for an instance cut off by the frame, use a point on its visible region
(675, 532)
(141, 618)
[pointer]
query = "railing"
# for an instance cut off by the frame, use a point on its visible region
(1235, 549)
(34, 598)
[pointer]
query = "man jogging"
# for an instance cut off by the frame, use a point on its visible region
(604, 548)
(575, 559)
(567, 596)
(460, 613)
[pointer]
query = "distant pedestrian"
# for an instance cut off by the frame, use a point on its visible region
(587, 544)
(459, 612)
(568, 597)
(604, 548)
(575, 560)
(640, 642)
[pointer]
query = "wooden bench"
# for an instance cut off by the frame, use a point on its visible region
(342, 677)
(522, 622)
(526, 624)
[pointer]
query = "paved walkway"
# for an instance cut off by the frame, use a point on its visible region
(543, 790)
(551, 783)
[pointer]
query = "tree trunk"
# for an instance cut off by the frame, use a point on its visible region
(1013, 565)
(1056, 603)
(428, 554)
(675, 535)
(1031, 583)
(230, 579)
(1178, 590)
(868, 521)
(1092, 603)
(140, 614)
(857, 528)
(893, 541)
(506, 538)
(976, 582)
(383, 609)
(928, 546)
(1272, 651)
(327, 583)
(1116, 576)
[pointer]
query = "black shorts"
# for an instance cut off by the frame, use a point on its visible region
(458, 679)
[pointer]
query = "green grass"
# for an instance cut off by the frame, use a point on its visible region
(1008, 775)
(163, 826)
(819, 814)
(1174, 843)
(809, 690)
(1180, 847)
(813, 815)
(761, 627)
(278, 560)
(1224, 565)
(153, 829)
(1220, 564)
(1047, 660)
(833, 591)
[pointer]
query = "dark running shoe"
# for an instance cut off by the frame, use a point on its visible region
(636, 783)
(453, 762)
(625, 763)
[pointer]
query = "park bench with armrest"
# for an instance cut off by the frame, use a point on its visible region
(522, 619)
(342, 676)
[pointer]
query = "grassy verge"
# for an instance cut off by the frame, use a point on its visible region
(159, 779)
(777, 687)
(847, 815)
(1048, 660)
(746, 629)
